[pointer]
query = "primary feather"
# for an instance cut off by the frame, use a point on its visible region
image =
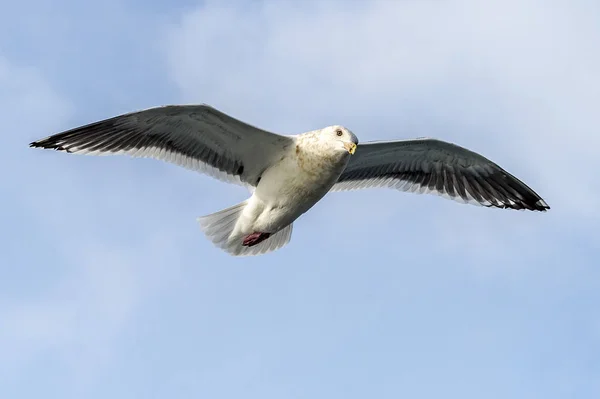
(433, 166)
(197, 137)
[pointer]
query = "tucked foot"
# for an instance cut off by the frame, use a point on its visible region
(255, 238)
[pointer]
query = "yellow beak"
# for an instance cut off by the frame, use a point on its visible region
(351, 147)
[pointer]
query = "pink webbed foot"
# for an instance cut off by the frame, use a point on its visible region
(255, 238)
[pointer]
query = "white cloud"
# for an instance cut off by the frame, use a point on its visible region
(514, 80)
(97, 281)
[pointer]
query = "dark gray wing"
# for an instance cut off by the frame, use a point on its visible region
(197, 137)
(434, 166)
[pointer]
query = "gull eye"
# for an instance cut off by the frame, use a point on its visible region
(339, 132)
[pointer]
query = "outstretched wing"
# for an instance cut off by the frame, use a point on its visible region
(197, 137)
(434, 166)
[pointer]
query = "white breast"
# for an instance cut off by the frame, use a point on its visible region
(291, 187)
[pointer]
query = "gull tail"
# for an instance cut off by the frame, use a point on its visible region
(219, 227)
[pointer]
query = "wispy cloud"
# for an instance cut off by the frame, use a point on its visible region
(506, 78)
(108, 289)
(92, 287)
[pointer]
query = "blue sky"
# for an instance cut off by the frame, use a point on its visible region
(109, 289)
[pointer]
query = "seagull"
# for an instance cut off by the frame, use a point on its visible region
(287, 175)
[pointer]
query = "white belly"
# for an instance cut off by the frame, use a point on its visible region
(285, 192)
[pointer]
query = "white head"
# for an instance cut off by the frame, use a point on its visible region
(340, 138)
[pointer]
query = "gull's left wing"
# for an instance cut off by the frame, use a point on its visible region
(197, 137)
(433, 166)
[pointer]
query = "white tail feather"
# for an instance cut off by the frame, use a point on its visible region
(218, 228)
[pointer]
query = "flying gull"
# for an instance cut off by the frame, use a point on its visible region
(288, 174)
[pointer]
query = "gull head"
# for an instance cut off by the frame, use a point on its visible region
(339, 138)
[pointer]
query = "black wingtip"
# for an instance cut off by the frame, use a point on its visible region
(542, 206)
(538, 206)
(47, 144)
(40, 144)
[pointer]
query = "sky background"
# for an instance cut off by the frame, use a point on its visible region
(108, 289)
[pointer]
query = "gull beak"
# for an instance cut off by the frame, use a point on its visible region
(351, 147)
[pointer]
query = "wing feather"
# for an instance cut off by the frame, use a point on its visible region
(196, 137)
(434, 166)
